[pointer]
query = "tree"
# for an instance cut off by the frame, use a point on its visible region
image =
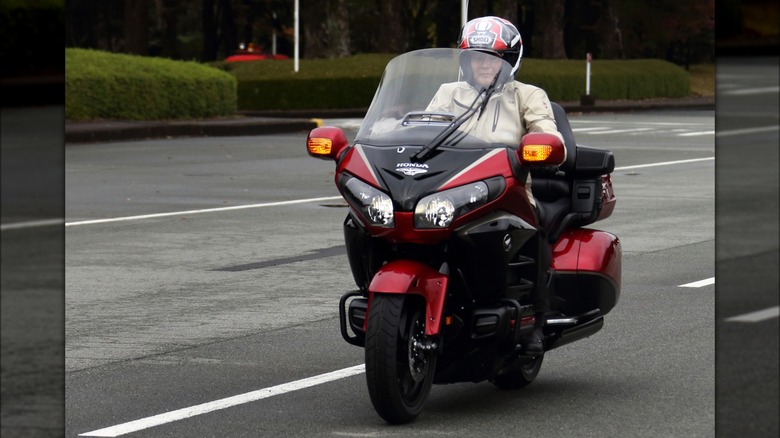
(136, 26)
(549, 26)
(325, 28)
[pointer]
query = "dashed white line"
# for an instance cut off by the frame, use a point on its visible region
(181, 414)
(757, 316)
(700, 283)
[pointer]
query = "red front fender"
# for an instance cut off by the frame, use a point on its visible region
(410, 277)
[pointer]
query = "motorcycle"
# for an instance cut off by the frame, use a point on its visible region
(444, 243)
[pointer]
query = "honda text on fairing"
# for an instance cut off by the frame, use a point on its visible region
(443, 241)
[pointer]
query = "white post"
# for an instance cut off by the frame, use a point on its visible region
(464, 12)
(587, 76)
(297, 43)
(273, 38)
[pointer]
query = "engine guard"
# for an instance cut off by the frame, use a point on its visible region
(411, 277)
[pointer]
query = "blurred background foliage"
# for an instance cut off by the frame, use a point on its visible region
(209, 30)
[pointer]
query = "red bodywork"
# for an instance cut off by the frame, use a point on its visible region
(410, 277)
(582, 250)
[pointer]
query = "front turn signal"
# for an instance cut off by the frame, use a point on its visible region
(326, 142)
(541, 149)
(536, 152)
(319, 146)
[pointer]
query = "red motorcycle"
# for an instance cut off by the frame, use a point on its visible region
(443, 241)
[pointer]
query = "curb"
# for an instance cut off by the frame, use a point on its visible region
(92, 132)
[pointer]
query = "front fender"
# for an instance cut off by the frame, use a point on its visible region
(411, 277)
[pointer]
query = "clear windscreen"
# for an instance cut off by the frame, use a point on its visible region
(400, 112)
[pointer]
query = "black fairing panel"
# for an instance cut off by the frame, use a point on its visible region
(406, 190)
(497, 255)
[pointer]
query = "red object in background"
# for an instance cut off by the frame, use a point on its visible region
(247, 55)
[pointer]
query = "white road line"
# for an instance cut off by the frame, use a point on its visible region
(758, 316)
(205, 210)
(620, 131)
(666, 163)
(694, 134)
(299, 201)
(593, 128)
(181, 414)
(31, 224)
(700, 283)
(757, 130)
(750, 91)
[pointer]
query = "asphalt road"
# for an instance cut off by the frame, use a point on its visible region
(168, 312)
(747, 246)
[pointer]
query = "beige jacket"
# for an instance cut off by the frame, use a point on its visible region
(511, 112)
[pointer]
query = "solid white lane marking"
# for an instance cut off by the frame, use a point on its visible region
(750, 91)
(758, 316)
(700, 283)
(594, 128)
(666, 163)
(205, 210)
(300, 201)
(180, 414)
(620, 131)
(757, 130)
(694, 134)
(31, 224)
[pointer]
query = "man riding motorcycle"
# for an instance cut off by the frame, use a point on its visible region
(512, 110)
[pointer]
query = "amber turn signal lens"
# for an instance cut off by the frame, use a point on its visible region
(319, 146)
(536, 152)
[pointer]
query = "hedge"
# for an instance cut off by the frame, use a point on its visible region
(351, 82)
(117, 86)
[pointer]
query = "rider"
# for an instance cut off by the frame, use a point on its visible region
(519, 108)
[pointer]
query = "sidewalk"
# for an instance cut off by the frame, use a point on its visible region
(270, 122)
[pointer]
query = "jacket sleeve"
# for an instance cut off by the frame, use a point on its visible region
(537, 112)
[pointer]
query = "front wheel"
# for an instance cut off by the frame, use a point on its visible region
(399, 362)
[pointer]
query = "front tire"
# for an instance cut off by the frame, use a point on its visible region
(399, 372)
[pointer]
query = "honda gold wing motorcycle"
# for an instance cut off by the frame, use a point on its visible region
(443, 242)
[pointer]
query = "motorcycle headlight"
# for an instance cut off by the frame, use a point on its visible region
(440, 209)
(374, 205)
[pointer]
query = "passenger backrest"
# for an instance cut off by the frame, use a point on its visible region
(568, 137)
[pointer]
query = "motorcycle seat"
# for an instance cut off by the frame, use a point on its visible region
(570, 195)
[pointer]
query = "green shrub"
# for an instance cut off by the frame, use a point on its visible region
(351, 82)
(116, 86)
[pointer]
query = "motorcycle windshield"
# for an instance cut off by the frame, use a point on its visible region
(422, 92)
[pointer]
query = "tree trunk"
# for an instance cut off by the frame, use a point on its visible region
(209, 32)
(390, 27)
(611, 37)
(325, 26)
(549, 25)
(136, 27)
